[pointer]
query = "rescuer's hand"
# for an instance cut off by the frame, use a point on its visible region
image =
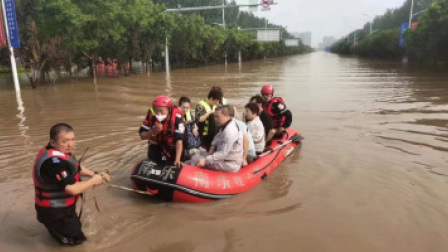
(158, 127)
(201, 162)
(97, 179)
(177, 163)
(106, 177)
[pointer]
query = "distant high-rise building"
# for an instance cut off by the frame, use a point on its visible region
(305, 37)
(327, 41)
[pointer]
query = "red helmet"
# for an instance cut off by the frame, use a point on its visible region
(161, 101)
(267, 89)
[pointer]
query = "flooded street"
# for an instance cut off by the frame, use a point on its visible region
(372, 174)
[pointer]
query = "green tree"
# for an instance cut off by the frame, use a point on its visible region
(59, 33)
(382, 44)
(187, 38)
(84, 25)
(429, 41)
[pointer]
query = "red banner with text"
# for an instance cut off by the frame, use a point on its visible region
(2, 32)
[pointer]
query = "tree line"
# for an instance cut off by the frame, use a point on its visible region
(60, 34)
(426, 42)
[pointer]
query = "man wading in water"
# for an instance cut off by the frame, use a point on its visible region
(56, 175)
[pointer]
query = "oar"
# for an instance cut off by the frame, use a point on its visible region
(296, 139)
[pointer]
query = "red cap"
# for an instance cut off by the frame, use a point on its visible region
(161, 101)
(267, 89)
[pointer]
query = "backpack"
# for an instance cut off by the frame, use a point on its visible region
(191, 141)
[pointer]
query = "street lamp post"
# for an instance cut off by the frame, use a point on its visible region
(405, 57)
(223, 14)
(410, 14)
(167, 57)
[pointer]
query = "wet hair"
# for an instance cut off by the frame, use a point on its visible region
(253, 107)
(58, 128)
(215, 94)
(258, 99)
(218, 89)
(183, 100)
(226, 110)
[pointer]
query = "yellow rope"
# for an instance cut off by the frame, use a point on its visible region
(127, 189)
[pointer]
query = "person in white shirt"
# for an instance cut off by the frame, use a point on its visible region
(227, 146)
(255, 126)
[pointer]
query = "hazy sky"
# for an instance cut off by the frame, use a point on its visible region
(325, 17)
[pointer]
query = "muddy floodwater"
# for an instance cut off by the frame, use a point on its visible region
(372, 174)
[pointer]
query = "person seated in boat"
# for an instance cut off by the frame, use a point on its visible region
(192, 142)
(265, 118)
(204, 116)
(248, 142)
(276, 108)
(164, 130)
(227, 146)
(185, 107)
(223, 100)
(255, 127)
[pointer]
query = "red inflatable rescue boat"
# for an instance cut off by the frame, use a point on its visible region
(194, 184)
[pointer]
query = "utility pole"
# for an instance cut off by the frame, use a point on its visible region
(405, 56)
(240, 59)
(167, 57)
(224, 27)
(223, 14)
(410, 14)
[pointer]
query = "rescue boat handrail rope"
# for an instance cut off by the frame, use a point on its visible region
(295, 138)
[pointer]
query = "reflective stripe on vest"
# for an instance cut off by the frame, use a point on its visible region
(207, 110)
(277, 119)
(188, 117)
(47, 195)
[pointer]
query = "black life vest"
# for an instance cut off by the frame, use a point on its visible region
(48, 195)
(278, 119)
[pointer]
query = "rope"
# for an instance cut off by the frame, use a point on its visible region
(106, 182)
(94, 199)
(83, 199)
(127, 189)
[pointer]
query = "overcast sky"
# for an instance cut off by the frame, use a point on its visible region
(325, 17)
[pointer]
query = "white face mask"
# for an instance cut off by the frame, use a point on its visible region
(160, 118)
